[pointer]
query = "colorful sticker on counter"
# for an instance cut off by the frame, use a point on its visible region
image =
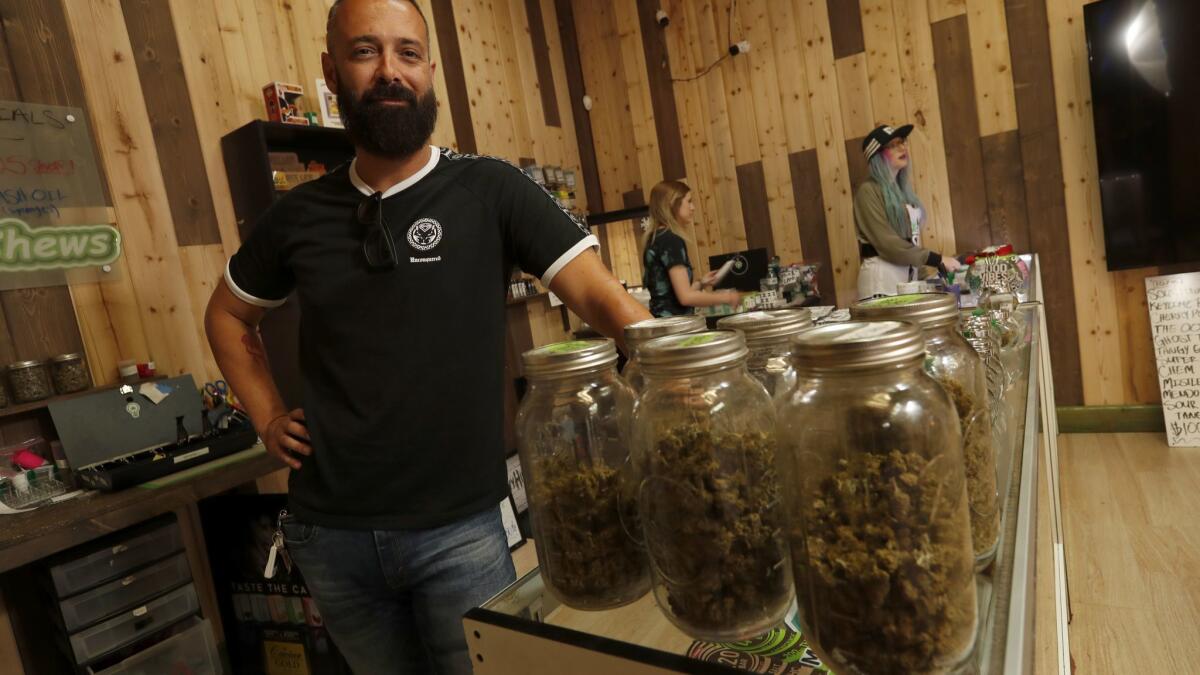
(567, 347)
(698, 339)
(894, 300)
(779, 650)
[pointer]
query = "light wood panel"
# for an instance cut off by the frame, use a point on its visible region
(812, 24)
(570, 142)
(203, 267)
(769, 114)
(883, 64)
(127, 154)
(927, 143)
(992, 64)
(1095, 297)
(945, 9)
(858, 119)
(637, 94)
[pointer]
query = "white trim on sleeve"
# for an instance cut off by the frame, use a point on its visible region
(246, 297)
(584, 244)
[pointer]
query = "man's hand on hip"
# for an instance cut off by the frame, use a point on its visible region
(286, 437)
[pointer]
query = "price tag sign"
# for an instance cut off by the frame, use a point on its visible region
(1174, 304)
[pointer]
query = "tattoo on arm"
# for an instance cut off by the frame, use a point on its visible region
(254, 346)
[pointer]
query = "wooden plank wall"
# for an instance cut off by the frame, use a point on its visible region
(997, 90)
(162, 82)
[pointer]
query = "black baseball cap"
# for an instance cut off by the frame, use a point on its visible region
(881, 136)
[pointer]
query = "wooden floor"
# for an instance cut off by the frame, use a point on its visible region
(1131, 515)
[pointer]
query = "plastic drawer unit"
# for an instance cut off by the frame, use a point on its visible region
(192, 651)
(121, 630)
(125, 593)
(115, 560)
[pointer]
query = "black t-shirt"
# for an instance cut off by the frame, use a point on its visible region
(665, 251)
(403, 369)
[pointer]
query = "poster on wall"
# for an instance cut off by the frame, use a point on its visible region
(1174, 304)
(54, 212)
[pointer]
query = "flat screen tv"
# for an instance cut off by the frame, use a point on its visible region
(1144, 60)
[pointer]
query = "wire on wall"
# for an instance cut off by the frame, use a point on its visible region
(734, 48)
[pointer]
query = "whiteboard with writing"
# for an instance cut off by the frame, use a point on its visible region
(47, 164)
(1174, 303)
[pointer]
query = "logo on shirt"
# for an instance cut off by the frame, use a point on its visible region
(424, 234)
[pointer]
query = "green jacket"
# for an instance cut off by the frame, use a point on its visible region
(874, 228)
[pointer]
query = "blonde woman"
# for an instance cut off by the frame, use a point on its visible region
(668, 273)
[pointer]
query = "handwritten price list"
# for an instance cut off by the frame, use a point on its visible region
(1174, 303)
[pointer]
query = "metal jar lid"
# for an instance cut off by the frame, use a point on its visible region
(22, 365)
(637, 333)
(567, 359)
(692, 354)
(773, 325)
(62, 358)
(858, 346)
(928, 310)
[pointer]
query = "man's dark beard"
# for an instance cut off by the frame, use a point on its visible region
(389, 130)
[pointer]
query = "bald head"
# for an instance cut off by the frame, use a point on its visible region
(336, 8)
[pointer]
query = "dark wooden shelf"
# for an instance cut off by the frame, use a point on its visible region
(44, 403)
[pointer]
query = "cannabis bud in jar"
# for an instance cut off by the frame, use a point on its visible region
(952, 361)
(584, 511)
(708, 496)
(871, 468)
(573, 437)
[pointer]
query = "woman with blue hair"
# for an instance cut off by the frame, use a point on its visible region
(888, 217)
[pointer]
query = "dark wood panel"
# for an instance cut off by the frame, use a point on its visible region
(41, 321)
(856, 161)
(518, 340)
(845, 27)
(960, 127)
(662, 92)
(456, 78)
(42, 58)
(1005, 181)
(541, 60)
(1033, 80)
(752, 189)
(581, 118)
(633, 199)
(8, 92)
(601, 232)
(160, 70)
(810, 214)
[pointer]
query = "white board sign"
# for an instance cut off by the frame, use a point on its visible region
(1174, 303)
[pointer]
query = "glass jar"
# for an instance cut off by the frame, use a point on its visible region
(708, 496)
(638, 333)
(573, 431)
(767, 333)
(29, 381)
(70, 373)
(4, 400)
(951, 361)
(876, 502)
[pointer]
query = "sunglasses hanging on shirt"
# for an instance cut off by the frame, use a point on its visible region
(378, 246)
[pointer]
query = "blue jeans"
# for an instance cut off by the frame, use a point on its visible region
(393, 600)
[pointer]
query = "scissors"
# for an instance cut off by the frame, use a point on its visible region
(218, 392)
